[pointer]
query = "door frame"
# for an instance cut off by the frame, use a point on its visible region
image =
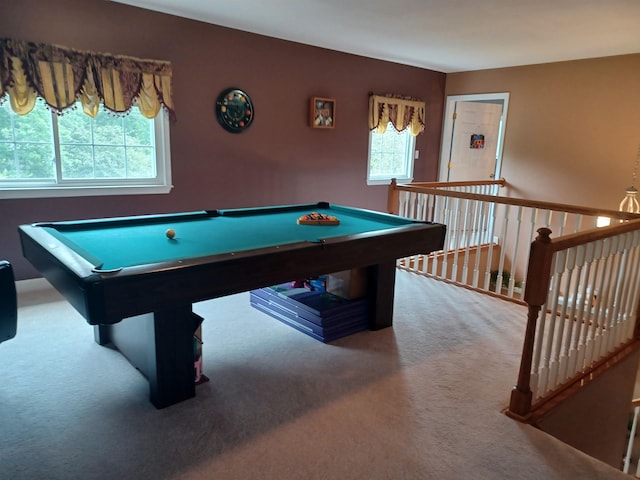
(447, 131)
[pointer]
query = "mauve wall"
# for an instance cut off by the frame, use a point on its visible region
(278, 160)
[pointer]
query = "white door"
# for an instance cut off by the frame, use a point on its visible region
(472, 138)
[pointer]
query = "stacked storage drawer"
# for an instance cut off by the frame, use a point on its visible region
(321, 315)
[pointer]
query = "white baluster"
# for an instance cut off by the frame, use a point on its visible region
(551, 353)
(565, 322)
(586, 307)
(443, 213)
(491, 229)
(533, 217)
(503, 250)
(600, 342)
(422, 207)
(616, 291)
(578, 225)
(608, 296)
(403, 207)
(468, 240)
(618, 302)
(563, 223)
(452, 228)
(594, 337)
(632, 436)
(536, 369)
(430, 208)
(634, 283)
(479, 222)
(459, 243)
(412, 205)
(514, 253)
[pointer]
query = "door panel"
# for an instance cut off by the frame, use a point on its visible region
(473, 137)
(474, 142)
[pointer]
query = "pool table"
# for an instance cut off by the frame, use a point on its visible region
(137, 286)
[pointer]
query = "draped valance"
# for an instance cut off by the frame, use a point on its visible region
(61, 76)
(402, 112)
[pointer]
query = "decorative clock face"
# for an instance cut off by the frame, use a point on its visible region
(234, 110)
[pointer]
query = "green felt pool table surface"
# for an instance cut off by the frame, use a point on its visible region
(124, 242)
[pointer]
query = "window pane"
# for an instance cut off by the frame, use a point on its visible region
(141, 162)
(110, 162)
(7, 161)
(108, 129)
(390, 155)
(75, 127)
(139, 131)
(34, 161)
(107, 147)
(33, 127)
(6, 129)
(77, 162)
(26, 148)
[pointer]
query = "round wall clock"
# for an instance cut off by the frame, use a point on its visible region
(234, 110)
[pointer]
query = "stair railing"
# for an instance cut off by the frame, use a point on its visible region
(488, 235)
(582, 297)
(581, 288)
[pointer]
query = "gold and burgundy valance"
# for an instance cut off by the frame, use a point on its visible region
(62, 76)
(403, 113)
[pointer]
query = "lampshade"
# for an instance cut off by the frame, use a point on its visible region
(630, 202)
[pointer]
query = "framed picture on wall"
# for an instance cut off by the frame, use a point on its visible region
(323, 112)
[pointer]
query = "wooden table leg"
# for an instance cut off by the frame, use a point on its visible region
(160, 346)
(381, 285)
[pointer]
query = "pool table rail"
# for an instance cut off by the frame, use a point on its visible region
(106, 298)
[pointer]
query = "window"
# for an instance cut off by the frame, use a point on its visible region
(391, 155)
(74, 122)
(394, 122)
(43, 154)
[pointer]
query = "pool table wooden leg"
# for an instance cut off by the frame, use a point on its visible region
(382, 279)
(101, 334)
(160, 346)
(172, 365)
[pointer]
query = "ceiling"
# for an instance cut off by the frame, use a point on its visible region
(443, 35)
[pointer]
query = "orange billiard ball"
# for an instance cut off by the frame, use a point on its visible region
(170, 233)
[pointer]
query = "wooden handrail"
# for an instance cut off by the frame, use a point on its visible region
(501, 182)
(575, 239)
(433, 189)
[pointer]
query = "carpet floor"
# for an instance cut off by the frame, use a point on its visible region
(421, 400)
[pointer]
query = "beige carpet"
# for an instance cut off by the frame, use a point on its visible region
(421, 400)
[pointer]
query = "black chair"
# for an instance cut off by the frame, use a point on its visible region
(8, 302)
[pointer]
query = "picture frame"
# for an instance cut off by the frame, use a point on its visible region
(322, 112)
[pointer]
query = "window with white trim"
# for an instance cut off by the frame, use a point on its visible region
(391, 155)
(44, 154)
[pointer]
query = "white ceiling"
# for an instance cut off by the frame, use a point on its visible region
(442, 35)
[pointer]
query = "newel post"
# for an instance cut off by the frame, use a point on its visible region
(535, 294)
(392, 198)
(636, 328)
